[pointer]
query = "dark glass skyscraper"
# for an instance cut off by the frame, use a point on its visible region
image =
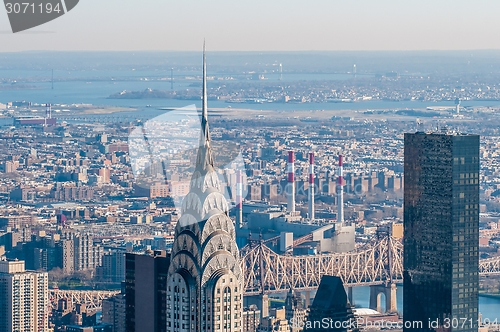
(146, 291)
(441, 232)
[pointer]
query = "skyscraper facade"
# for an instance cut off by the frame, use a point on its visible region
(204, 287)
(145, 292)
(441, 231)
(24, 297)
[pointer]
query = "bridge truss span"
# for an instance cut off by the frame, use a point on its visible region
(268, 272)
(93, 299)
(489, 266)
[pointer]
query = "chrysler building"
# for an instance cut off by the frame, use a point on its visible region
(204, 288)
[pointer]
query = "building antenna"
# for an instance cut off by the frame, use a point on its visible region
(281, 72)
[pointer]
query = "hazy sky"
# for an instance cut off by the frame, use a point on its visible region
(264, 25)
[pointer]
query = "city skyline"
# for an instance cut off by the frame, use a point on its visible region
(324, 201)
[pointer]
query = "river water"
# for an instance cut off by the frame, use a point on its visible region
(90, 87)
(488, 307)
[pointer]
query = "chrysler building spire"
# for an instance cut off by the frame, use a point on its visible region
(204, 108)
(205, 158)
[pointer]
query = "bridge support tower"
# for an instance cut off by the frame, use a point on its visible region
(349, 295)
(376, 293)
(307, 296)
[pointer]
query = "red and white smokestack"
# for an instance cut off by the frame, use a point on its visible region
(340, 192)
(239, 199)
(311, 186)
(291, 182)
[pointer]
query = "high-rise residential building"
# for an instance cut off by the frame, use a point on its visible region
(18, 222)
(251, 319)
(78, 252)
(24, 297)
(41, 254)
(441, 231)
(87, 255)
(73, 193)
(67, 252)
(113, 266)
(113, 312)
(205, 278)
(146, 292)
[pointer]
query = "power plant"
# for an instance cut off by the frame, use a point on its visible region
(288, 230)
(36, 120)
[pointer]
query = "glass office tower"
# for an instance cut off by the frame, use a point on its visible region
(441, 232)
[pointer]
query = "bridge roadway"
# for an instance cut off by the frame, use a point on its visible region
(266, 272)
